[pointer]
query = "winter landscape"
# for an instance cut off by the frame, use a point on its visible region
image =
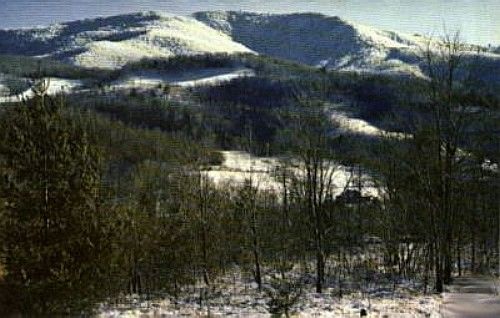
(248, 164)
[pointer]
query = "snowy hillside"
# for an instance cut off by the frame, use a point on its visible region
(320, 40)
(112, 42)
(312, 39)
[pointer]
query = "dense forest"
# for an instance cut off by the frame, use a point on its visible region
(105, 193)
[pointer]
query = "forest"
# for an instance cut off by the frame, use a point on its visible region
(105, 193)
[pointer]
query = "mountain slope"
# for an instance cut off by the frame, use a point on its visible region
(112, 42)
(308, 38)
(321, 40)
(316, 39)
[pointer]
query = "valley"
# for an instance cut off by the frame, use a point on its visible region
(238, 163)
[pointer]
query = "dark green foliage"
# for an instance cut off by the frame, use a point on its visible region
(53, 225)
(253, 91)
(182, 63)
(24, 66)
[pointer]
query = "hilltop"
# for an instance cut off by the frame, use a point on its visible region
(112, 42)
(308, 38)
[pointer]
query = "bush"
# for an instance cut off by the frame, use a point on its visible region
(53, 231)
(284, 295)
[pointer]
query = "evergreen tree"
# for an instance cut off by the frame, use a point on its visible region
(52, 223)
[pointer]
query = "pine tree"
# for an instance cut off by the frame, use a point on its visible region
(52, 222)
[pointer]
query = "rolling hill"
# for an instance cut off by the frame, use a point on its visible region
(115, 41)
(308, 38)
(329, 42)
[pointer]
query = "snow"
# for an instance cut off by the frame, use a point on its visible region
(217, 79)
(236, 295)
(4, 90)
(199, 77)
(471, 297)
(112, 55)
(57, 85)
(490, 166)
(156, 36)
(165, 37)
(112, 42)
(195, 36)
(329, 42)
(308, 38)
(239, 166)
(351, 125)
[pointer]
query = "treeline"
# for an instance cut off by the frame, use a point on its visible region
(180, 63)
(31, 67)
(93, 211)
(261, 106)
(70, 180)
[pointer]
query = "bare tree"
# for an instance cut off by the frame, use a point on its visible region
(315, 180)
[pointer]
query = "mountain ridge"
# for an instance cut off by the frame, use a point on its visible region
(112, 42)
(326, 41)
(309, 38)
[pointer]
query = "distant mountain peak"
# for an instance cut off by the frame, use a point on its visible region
(111, 42)
(324, 41)
(313, 39)
(309, 38)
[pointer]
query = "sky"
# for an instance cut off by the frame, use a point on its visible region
(477, 20)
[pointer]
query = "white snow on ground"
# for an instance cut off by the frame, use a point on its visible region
(200, 77)
(216, 79)
(163, 37)
(250, 306)
(111, 42)
(312, 39)
(329, 42)
(57, 85)
(489, 166)
(236, 295)
(351, 125)
(474, 296)
(112, 55)
(239, 166)
(4, 90)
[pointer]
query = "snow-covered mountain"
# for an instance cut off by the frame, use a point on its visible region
(331, 42)
(112, 42)
(308, 38)
(315, 39)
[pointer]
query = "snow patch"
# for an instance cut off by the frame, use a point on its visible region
(57, 85)
(239, 166)
(201, 77)
(352, 125)
(235, 294)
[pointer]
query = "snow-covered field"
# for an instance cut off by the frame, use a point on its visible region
(57, 85)
(184, 79)
(351, 125)
(201, 77)
(254, 305)
(236, 295)
(216, 79)
(165, 37)
(112, 42)
(239, 166)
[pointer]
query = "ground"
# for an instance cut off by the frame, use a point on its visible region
(236, 295)
(471, 297)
